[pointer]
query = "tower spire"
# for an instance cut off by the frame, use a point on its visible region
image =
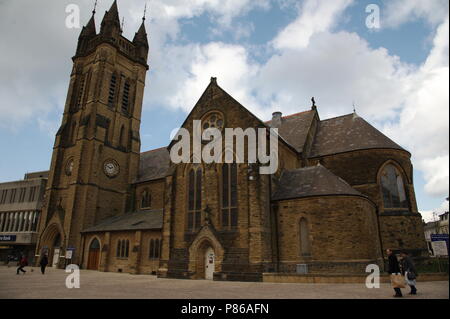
(140, 38)
(145, 12)
(111, 20)
(95, 8)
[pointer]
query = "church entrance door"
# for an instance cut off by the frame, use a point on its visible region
(94, 255)
(55, 257)
(56, 251)
(209, 263)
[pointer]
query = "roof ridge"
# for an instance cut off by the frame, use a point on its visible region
(154, 150)
(291, 115)
(294, 114)
(336, 117)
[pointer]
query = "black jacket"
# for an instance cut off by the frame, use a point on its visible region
(44, 261)
(408, 265)
(393, 267)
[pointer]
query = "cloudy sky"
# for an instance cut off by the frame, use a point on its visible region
(271, 55)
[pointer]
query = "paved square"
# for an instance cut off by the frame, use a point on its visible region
(100, 285)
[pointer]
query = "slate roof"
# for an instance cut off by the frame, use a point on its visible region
(348, 133)
(141, 220)
(311, 181)
(153, 165)
(294, 128)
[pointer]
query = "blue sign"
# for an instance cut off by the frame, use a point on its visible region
(8, 237)
(437, 237)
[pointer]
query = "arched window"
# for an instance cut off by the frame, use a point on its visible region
(123, 247)
(229, 196)
(95, 244)
(151, 249)
(393, 188)
(155, 249)
(119, 248)
(81, 89)
(122, 137)
(126, 97)
(112, 90)
(127, 248)
(73, 133)
(194, 199)
(146, 200)
(305, 245)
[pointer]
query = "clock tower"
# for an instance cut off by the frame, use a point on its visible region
(97, 148)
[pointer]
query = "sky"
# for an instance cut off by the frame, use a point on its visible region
(271, 55)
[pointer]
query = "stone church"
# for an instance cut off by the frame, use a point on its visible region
(343, 192)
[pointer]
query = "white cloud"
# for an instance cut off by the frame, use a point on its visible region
(336, 68)
(195, 65)
(36, 46)
(433, 215)
(314, 17)
(403, 11)
(423, 126)
(308, 59)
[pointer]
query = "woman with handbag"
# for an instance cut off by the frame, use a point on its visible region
(394, 271)
(409, 271)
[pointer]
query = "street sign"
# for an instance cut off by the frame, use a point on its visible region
(8, 238)
(439, 248)
(439, 243)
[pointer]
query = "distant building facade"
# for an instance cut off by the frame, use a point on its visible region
(436, 227)
(342, 194)
(20, 211)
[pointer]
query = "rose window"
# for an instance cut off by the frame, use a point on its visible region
(214, 120)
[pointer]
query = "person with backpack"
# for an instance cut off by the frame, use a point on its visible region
(22, 263)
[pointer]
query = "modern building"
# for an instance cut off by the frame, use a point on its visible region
(342, 193)
(20, 211)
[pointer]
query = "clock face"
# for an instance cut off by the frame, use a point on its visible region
(111, 168)
(69, 167)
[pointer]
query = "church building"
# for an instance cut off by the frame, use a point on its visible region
(342, 194)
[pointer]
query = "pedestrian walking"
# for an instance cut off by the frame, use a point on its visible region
(409, 271)
(22, 263)
(395, 273)
(43, 263)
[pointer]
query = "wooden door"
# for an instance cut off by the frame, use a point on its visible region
(94, 255)
(94, 258)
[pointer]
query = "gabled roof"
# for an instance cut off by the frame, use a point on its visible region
(348, 133)
(294, 128)
(141, 220)
(311, 181)
(212, 89)
(153, 165)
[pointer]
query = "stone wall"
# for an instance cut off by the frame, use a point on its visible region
(138, 260)
(400, 229)
(343, 234)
